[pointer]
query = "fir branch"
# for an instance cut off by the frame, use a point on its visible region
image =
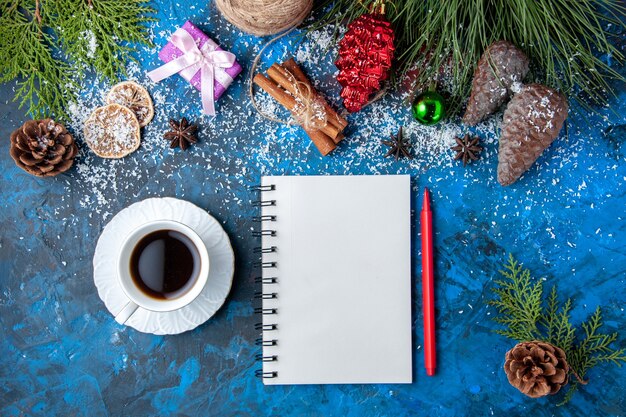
(519, 301)
(92, 29)
(37, 34)
(549, 318)
(595, 347)
(45, 82)
(563, 332)
(565, 40)
(569, 394)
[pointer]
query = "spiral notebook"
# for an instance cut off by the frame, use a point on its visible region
(336, 280)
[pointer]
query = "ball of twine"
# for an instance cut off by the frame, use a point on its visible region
(264, 17)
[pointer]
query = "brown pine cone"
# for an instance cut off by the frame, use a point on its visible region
(499, 68)
(43, 148)
(532, 120)
(536, 368)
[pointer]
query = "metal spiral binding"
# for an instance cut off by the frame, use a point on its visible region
(271, 249)
(264, 203)
(263, 342)
(266, 218)
(264, 231)
(270, 187)
(260, 374)
(265, 311)
(265, 296)
(268, 280)
(265, 264)
(265, 327)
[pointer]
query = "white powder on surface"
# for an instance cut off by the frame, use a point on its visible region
(92, 43)
(238, 145)
(265, 144)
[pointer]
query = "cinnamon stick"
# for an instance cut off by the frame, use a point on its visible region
(282, 78)
(293, 68)
(270, 87)
(322, 141)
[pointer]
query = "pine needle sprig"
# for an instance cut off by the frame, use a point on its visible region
(526, 316)
(337, 13)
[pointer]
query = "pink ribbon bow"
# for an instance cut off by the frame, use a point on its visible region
(206, 59)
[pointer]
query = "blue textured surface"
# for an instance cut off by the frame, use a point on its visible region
(63, 354)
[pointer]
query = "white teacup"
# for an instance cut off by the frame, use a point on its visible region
(137, 297)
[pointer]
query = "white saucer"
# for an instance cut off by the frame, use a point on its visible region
(220, 274)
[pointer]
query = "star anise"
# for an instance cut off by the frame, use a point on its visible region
(182, 133)
(467, 148)
(398, 146)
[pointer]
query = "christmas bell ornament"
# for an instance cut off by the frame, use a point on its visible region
(536, 368)
(365, 55)
(429, 108)
(532, 120)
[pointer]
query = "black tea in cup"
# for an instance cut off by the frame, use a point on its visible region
(164, 264)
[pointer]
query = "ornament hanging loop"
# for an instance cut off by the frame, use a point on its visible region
(378, 7)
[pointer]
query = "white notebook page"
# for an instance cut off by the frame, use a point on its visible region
(343, 306)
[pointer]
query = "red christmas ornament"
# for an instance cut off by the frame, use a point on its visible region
(365, 55)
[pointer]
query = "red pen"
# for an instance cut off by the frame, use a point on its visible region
(428, 289)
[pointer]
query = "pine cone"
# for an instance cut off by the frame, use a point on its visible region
(499, 68)
(536, 368)
(532, 120)
(43, 148)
